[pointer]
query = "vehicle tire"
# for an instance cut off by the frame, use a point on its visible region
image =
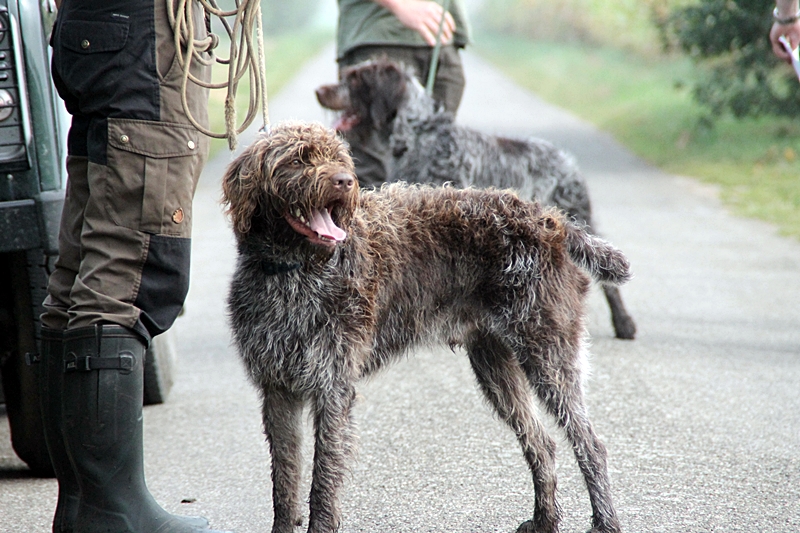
(28, 275)
(159, 365)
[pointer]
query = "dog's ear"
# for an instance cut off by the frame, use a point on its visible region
(240, 190)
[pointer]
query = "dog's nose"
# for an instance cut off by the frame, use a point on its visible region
(327, 97)
(343, 182)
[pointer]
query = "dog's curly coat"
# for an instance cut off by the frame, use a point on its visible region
(331, 285)
(383, 100)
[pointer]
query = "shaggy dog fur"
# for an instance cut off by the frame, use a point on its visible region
(332, 285)
(381, 100)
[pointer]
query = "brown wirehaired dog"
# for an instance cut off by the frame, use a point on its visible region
(331, 285)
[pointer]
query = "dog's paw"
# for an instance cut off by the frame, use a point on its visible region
(526, 527)
(609, 526)
(624, 328)
(529, 527)
(287, 526)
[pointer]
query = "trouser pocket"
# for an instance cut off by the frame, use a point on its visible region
(151, 175)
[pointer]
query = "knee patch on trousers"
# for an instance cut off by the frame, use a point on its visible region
(164, 283)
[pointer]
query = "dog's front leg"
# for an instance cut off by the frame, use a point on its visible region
(333, 448)
(281, 413)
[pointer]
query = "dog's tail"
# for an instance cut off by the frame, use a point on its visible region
(603, 261)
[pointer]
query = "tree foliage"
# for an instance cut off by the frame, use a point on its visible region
(731, 39)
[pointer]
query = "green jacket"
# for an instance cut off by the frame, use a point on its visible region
(363, 22)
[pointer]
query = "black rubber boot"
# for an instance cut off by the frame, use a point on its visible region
(51, 380)
(103, 387)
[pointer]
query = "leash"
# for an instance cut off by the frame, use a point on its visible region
(246, 57)
(436, 50)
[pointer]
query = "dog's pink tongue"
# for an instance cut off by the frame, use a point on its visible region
(345, 122)
(322, 223)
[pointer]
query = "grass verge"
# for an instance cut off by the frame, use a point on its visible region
(646, 104)
(285, 55)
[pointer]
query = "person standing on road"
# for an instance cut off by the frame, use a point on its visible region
(123, 268)
(786, 24)
(404, 31)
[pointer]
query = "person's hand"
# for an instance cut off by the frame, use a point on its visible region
(422, 16)
(792, 33)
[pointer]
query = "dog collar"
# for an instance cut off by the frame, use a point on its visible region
(271, 268)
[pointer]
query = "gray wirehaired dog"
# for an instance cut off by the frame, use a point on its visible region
(382, 101)
(331, 285)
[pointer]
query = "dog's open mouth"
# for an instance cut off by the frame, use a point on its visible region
(317, 226)
(346, 121)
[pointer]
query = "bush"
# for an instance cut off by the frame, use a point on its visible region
(731, 40)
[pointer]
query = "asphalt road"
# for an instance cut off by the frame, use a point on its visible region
(701, 413)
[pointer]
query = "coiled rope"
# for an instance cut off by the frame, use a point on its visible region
(246, 57)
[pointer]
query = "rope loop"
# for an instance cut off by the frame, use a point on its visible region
(245, 58)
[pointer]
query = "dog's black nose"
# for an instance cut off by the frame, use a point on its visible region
(343, 182)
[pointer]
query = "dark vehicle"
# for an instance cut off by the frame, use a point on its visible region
(33, 132)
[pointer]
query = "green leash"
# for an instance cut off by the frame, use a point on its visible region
(436, 50)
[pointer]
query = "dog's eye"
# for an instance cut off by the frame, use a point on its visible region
(296, 162)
